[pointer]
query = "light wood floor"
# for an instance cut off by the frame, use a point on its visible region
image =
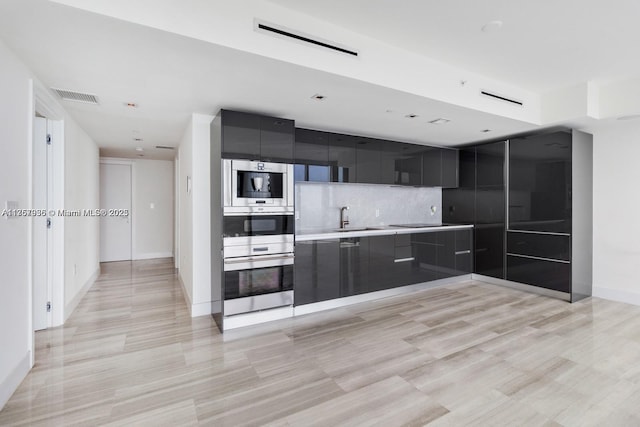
(464, 354)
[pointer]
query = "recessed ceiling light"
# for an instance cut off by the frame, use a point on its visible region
(388, 111)
(629, 117)
(140, 149)
(319, 97)
(411, 116)
(439, 121)
(138, 139)
(485, 130)
(140, 155)
(491, 27)
(131, 104)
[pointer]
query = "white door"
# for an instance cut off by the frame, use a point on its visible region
(115, 194)
(41, 233)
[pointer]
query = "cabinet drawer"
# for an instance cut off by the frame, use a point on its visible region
(403, 239)
(545, 274)
(547, 246)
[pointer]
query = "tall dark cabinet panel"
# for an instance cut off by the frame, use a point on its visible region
(432, 167)
(317, 271)
(450, 164)
(354, 266)
(479, 199)
(255, 137)
(549, 235)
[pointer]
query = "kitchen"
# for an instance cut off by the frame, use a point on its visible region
(377, 218)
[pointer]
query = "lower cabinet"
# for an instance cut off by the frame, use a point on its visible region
(334, 268)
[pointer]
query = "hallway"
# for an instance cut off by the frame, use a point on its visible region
(461, 354)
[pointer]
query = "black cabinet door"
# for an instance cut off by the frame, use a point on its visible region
(312, 156)
(405, 262)
(431, 167)
(390, 153)
(540, 183)
(446, 254)
(368, 161)
(354, 266)
(425, 249)
(381, 262)
(459, 204)
(317, 271)
(342, 158)
(464, 252)
(490, 165)
(555, 275)
(489, 250)
(276, 139)
(449, 168)
(407, 160)
(240, 135)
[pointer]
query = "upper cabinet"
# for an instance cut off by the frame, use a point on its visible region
(440, 167)
(256, 137)
(332, 157)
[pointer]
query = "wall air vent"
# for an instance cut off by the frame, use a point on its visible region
(164, 147)
(285, 33)
(69, 95)
(500, 97)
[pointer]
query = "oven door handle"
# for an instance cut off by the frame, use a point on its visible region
(263, 261)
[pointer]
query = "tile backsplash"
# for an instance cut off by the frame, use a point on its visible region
(318, 205)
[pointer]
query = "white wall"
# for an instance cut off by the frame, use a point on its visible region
(81, 234)
(616, 207)
(16, 110)
(195, 215)
(153, 209)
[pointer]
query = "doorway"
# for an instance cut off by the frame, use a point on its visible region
(115, 197)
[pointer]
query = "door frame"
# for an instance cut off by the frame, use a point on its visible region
(45, 105)
(132, 164)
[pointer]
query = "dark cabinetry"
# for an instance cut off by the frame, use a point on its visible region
(331, 157)
(256, 137)
(327, 269)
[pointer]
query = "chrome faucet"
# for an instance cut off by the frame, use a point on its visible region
(343, 221)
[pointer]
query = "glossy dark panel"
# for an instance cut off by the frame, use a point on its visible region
(539, 245)
(317, 271)
(342, 158)
(240, 135)
(545, 274)
(431, 167)
(257, 281)
(354, 266)
(490, 205)
(276, 139)
(312, 156)
(467, 168)
(390, 151)
(446, 254)
(490, 165)
(489, 250)
(464, 251)
(449, 166)
(540, 183)
(408, 165)
(368, 161)
(257, 225)
(381, 265)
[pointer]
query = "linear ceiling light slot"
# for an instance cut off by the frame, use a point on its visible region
(282, 32)
(70, 95)
(501, 98)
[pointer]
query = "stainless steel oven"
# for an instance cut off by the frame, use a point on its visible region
(253, 283)
(255, 187)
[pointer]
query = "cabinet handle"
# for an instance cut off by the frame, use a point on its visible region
(263, 249)
(404, 259)
(468, 251)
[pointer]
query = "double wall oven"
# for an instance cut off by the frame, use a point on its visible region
(258, 236)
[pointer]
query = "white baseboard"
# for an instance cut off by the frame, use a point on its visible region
(152, 255)
(630, 297)
(69, 308)
(200, 309)
(10, 384)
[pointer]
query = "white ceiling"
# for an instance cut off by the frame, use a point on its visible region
(543, 44)
(171, 76)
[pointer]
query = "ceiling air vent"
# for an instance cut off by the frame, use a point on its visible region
(278, 31)
(69, 95)
(164, 147)
(500, 97)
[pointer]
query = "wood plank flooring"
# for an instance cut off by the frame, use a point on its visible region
(463, 354)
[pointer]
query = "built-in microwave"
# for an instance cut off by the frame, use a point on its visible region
(257, 187)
